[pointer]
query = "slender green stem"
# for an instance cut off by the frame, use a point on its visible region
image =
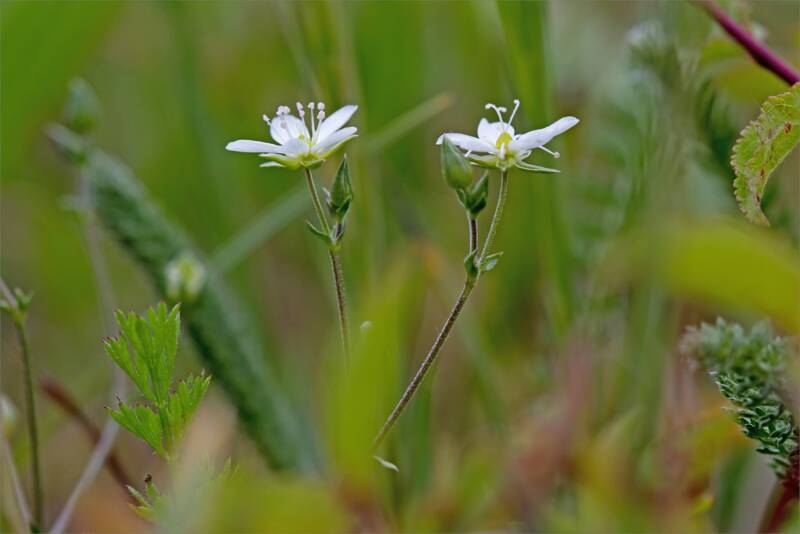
(312, 191)
(36, 469)
(473, 234)
(338, 279)
(336, 266)
(18, 316)
(498, 214)
(469, 285)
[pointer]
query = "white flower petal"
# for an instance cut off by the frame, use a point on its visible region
(287, 127)
(334, 139)
(467, 142)
(336, 120)
(295, 147)
(246, 145)
(537, 138)
(271, 164)
(488, 132)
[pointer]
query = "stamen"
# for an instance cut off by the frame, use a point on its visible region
(320, 115)
(321, 106)
(499, 110)
(300, 110)
(513, 113)
(552, 153)
(502, 153)
(266, 119)
(311, 106)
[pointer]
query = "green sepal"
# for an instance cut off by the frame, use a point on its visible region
(471, 267)
(529, 167)
(455, 167)
(474, 197)
(341, 193)
(489, 262)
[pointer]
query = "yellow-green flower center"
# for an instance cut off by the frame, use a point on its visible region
(503, 139)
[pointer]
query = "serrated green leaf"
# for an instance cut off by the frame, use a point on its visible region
(143, 422)
(750, 370)
(761, 147)
(183, 404)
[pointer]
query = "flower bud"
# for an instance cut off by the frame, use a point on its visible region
(82, 110)
(341, 193)
(185, 277)
(455, 167)
(8, 415)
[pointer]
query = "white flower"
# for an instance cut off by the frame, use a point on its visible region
(297, 147)
(497, 145)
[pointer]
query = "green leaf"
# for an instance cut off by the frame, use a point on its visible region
(750, 370)
(183, 404)
(221, 333)
(319, 233)
(470, 266)
(143, 422)
(489, 262)
(761, 147)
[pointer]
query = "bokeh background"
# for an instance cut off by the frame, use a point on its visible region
(561, 402)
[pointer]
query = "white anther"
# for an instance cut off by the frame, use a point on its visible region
(266, 119)
(311, 105)
(499, 111)
(320, 115)
(300, 110)
(552, 153)
(321, 106)
(514, 112)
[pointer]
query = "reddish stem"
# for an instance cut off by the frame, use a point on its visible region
(60, 396)
(760, 52)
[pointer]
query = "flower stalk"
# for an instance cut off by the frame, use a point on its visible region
(336, 264)
(475, 266)
(16, 305)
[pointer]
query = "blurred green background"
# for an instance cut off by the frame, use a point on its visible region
(561, 403)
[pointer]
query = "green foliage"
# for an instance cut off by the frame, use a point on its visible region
(761, 147)
(749, 369)
(214, 323)
(146, 350)
(157, 507)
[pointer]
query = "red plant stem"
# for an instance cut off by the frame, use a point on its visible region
(757, 50)
(62, 398)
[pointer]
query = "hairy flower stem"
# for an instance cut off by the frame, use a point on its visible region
(18, 316)
(469, 285)
(336, 266)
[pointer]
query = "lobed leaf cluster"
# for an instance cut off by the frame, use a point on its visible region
(749, 370)
(145, 350)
